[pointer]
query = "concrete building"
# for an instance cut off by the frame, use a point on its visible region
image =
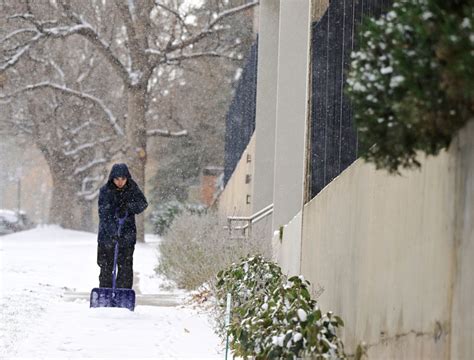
(392, 253)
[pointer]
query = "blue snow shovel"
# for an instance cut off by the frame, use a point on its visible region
(112, 297)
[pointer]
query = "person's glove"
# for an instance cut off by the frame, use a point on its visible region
(121, 212)
(122, 209)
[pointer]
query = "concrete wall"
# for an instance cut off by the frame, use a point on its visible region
(286, 246)
(394, 254)
(292, 110)
(233, 200)
(462, 316)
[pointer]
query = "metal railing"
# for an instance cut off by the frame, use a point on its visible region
(248, 221)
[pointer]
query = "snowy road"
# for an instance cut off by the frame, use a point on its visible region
(46, 274)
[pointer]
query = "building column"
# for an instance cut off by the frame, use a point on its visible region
(292, 110)
(266, 103)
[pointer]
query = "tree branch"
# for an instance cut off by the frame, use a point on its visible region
(17, 32)
(86, 146)
(89, 33)
(191, 56)
(92, 164)
(94, 100)
(127, 18)
(137, 22)
(209, 28)
(22, 51)
(166, 133)
(94, 192)
(80, 27)
(174, 12)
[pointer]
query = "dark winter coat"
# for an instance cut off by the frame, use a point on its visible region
(115, 202)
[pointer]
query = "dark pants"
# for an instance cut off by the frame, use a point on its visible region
(105, 259)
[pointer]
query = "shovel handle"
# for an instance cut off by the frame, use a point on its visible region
(114, 273)
(121, 221)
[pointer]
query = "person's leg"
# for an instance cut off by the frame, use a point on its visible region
(125, 267)
(105, 259)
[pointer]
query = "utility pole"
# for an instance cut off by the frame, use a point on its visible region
(18, 175)
(18, 199)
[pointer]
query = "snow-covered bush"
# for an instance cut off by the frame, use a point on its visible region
(412, 80)
(197, 246)
(274, 317)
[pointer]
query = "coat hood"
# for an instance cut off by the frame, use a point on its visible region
(119, 170)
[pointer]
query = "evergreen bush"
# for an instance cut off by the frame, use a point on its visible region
(412, 80)
(274, 317)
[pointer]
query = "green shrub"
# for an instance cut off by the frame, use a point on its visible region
(274, 317)
(412, 81)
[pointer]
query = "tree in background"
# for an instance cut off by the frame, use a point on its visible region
(208, 87)
(73, 135)
(135, 41)
(204, 146)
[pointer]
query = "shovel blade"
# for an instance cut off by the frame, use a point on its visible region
(108, 297)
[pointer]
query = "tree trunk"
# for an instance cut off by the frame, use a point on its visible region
(136, 140)
(65, 210)
(85, 220)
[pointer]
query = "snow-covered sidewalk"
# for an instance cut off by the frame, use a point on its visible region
(40, 317)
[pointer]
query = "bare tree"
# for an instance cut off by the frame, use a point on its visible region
(135, 39)
(74, 130)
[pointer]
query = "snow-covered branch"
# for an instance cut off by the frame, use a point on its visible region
(59, 70)
(190, 56)
(94, 100)
(79, 149)
(41, 33)
(153, 52)
(166, 133)
(210, 27)
(90, 165)
(64, 31)
(86, 72)
(80, 27)
(17, 32)
(88, 32)
(22, 50)
(86, 146)
(174, 12)
(231, 12)
(89, 192)
(24, 16)
(89, 195)
(80, 127)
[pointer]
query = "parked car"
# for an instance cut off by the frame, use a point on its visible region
(13, 221)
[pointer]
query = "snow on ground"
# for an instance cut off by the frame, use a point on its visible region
(46, 276)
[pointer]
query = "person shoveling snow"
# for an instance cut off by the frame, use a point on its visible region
(120, 199)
